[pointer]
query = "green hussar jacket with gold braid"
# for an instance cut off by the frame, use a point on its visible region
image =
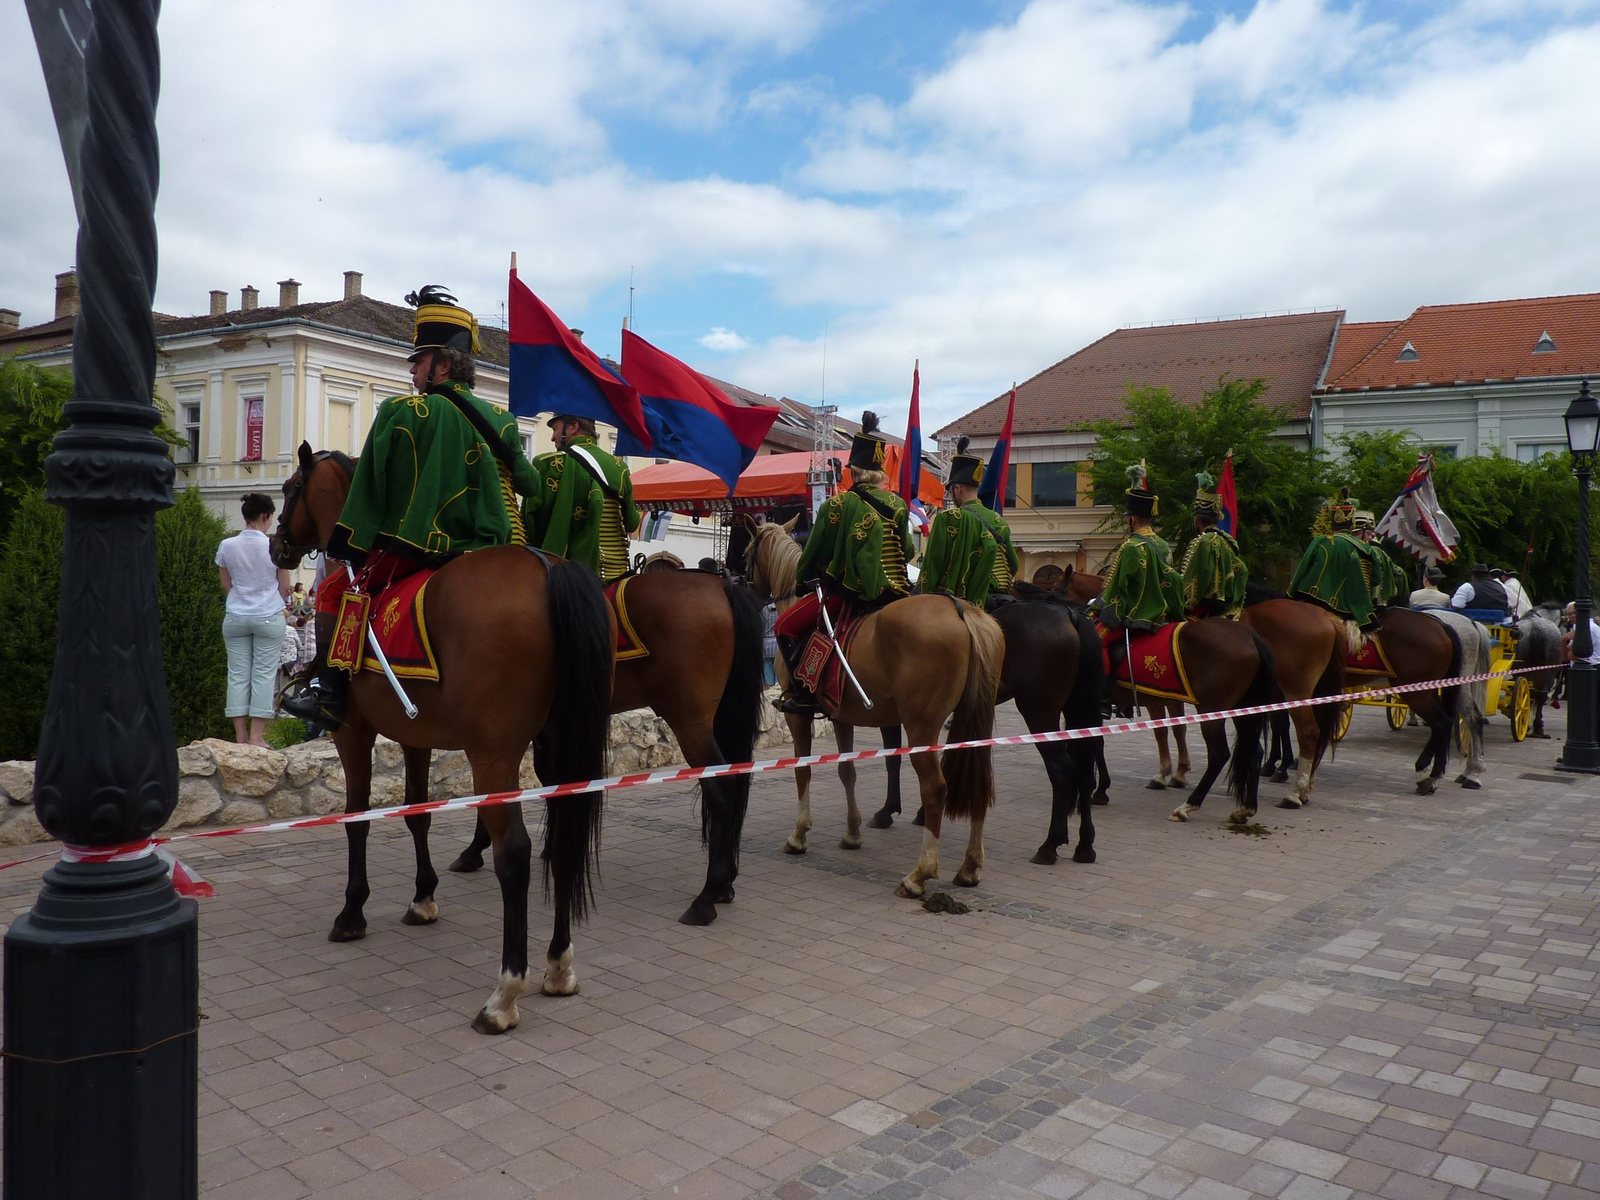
(960, 555)
(1142, 591)
(1006, 562)
(1214, 576)
(1388, 580)
(856, 549)
(1336, 572)
(427, 486)
(584, 518)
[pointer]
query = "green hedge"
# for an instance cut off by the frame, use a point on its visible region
(188, 594)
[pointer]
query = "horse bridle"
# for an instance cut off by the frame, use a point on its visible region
(294, 488)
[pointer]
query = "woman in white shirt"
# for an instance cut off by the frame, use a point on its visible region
(253, 622)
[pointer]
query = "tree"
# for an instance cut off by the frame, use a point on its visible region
(30, 594)
(1280, 483)
(191, 602)
(31, 400)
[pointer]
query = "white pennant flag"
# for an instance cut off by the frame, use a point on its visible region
(1416, 521)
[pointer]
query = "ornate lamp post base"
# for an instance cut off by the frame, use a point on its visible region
(1581, 753)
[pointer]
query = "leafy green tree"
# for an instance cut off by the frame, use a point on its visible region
(191, 602)
(31, 400)
(30, 594)
(1280, 484)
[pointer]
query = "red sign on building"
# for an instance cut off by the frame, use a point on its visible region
(253, 414)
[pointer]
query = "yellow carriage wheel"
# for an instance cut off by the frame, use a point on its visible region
(1396, 714)
(1343, 727)
(1521, 708)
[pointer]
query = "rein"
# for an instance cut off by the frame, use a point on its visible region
(294, 488)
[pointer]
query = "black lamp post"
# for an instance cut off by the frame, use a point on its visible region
(101, 975)
(1581, 752)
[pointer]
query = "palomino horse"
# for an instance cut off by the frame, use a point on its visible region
(1052, 681)
(1229, 666)
(921, 660)
(1308, 652)
(505, 625)
(702, 676)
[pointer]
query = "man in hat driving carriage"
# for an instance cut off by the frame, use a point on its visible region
(969, 551)
(438, 476)
(1214, 576)
(587, 513)
(856, 551)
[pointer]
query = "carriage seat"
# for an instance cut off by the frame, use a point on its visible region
(1487, 616)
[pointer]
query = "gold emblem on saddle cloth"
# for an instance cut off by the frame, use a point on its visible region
(1154, 665)
(349, 628)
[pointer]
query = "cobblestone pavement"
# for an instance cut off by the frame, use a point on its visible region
(1387, 996)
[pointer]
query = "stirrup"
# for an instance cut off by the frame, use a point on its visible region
(796, 702)
(317, 703)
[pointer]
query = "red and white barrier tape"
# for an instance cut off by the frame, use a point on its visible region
(691, 774)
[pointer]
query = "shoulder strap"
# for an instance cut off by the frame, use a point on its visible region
(891, 518)
(588, 460)
(486, 431)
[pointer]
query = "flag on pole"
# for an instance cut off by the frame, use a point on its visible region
(691, 419)
(1228, 497)
(1416, 521)
(992, 489)
(553, 372)
(911, 455)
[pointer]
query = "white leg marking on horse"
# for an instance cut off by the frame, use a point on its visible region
(423, 912)
(500, 1013)
(927, 866)
(1183, 812)
(559, 977)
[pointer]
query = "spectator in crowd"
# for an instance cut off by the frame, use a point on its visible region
(301, 613)
(1431, 596)
(253, 623)
(1516, 594)
(710, 564)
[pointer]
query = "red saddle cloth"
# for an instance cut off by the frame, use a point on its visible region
(1156, 663)
(628, 643)
(397, 619)
(822, 669)
(1369, 660)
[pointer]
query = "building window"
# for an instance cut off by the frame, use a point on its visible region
(1533, 451)
(1444, 452)
(342, 431)
(255, 412)
(1011, 486)
(189, 412)
(527, 445)
(1055, 485)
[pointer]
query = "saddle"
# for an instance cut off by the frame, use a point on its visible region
(1154, 660)
(821, 667)
(629, 644)
(398, 622)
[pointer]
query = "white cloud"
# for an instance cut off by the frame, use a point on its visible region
(724, 341)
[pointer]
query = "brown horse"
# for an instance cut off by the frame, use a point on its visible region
(1420, 648)
(921, 660)
(702, 676)
(505, 625)
(1308, 651)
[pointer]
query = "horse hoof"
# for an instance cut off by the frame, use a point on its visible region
(488, 1022)
(1279, 777)
(1290, 802)
(559, 977)
(790, 847)
(1083, 854)
(909, 890)
(466, 863)
(500, 1014)
(1425, 787)
(963, 879)
(421, 912)
(1102, 797)
(347, 933)
(1045, 856)
(850, 841)
(882, 819)
(1155, 785)
(699, 912)
(1183, 812)
(920, 819)
(1471, 785)
(1240, 816)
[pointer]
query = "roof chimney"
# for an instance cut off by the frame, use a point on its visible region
(219, 302)
(249, 297)
(67, 294)
(577, 333)
(352, 284)
(10, 318)
(288, 293)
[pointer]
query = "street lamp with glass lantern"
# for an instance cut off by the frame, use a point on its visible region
(1581, 752)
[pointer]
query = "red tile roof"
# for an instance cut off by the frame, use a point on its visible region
(1469, 343)
(1354, 341)
(1288, 351)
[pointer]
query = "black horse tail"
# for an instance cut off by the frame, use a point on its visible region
(572, 745)
(1331, 683)
(1084, 705)
(1452, 699)
(738, 718)
(969, 774)
(1244, 767)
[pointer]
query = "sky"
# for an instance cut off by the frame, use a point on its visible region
(807, 196)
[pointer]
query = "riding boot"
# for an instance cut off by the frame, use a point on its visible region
(323, 699)
(797, 699)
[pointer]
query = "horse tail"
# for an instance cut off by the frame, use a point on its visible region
(1245, 765)
(1331, 683)
(1083, 706)
(738, 718)
(572, 745)
(1450, 698)
(969, 774)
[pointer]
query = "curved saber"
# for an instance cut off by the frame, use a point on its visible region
(839, 650)
(388, 673)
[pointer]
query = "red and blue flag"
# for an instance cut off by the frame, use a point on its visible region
(992, 488)
(552, 371)
(691, 419)
(1228, 498)
(911, 455)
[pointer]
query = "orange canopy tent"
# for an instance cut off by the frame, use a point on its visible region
(769, 481)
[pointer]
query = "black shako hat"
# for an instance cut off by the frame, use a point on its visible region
(868, 450)
(441, 323)
(965, 469)
(1142, 501)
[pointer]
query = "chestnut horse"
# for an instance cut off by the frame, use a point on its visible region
(525, 646)
(921, 659)
(702, 676)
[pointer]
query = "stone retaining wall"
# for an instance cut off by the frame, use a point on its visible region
(222, 783)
